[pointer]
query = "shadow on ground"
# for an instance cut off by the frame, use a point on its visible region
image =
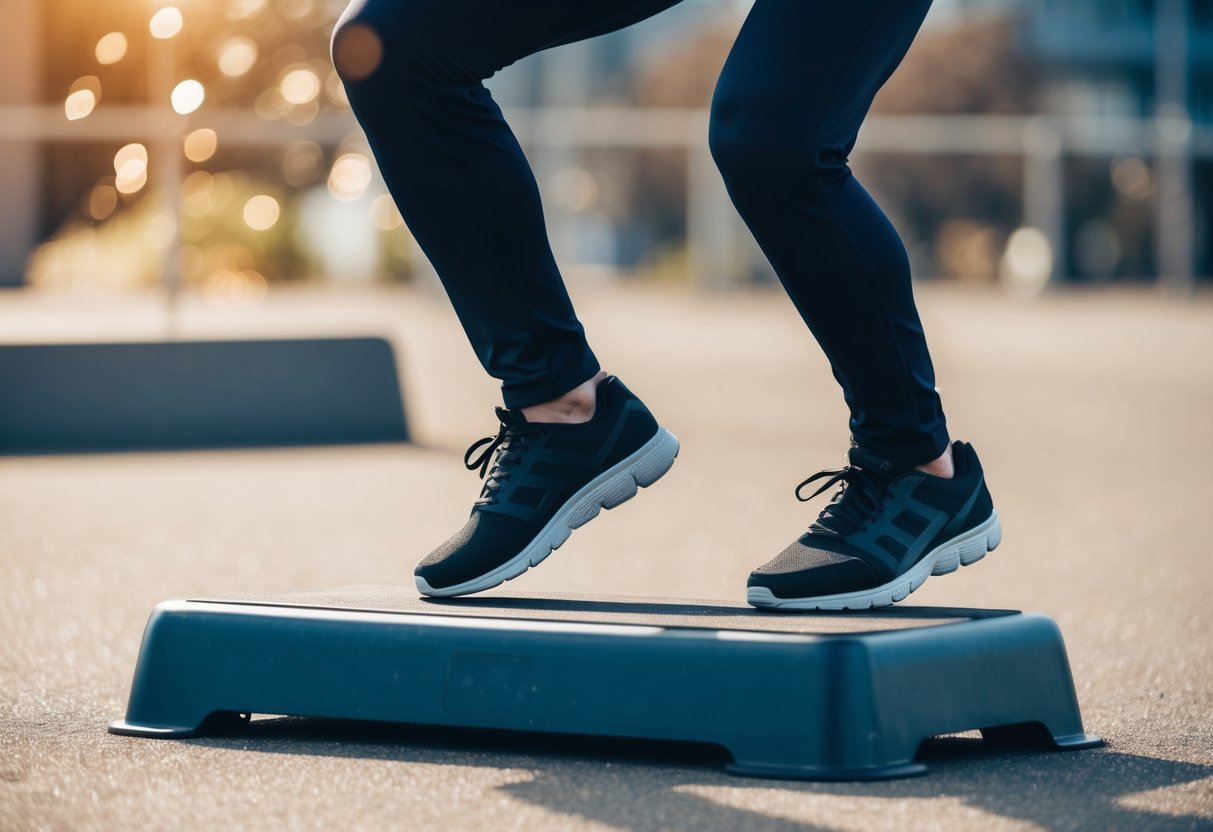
(627, 784)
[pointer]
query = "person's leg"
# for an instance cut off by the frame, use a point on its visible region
(786, 113)
(413, 70)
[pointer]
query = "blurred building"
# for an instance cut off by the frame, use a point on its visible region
(1124, 60)
(240, 179)
(1103, 54)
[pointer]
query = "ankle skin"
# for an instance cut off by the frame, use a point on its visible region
(574, 407)
(941, 467)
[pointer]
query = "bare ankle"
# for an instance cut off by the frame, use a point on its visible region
(940, 467)
(574, 407)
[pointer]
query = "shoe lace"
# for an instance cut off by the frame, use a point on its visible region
(860, 494)
(500, 453)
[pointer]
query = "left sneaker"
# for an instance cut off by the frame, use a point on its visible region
(882, 535)
(542, 480)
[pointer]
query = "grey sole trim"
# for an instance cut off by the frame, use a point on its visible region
(616, 485)
(962, 550)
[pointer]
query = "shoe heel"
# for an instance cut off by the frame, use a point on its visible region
(994, 535)
(657, 461)
(975, 550)
(968, 552)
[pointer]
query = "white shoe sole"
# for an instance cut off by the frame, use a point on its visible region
(963, 550)
(616, 485)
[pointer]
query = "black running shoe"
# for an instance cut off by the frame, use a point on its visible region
(883, 534)
(542, 481)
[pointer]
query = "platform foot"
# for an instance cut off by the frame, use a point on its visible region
(218, 723)
(1037, 735)
(1077, 742)
(825, 773)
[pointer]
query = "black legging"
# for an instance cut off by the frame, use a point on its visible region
(787, 108)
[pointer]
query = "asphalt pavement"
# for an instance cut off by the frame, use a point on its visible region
(1092, 411)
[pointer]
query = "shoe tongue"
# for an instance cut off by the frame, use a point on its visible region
(868, 461)
(511, 418)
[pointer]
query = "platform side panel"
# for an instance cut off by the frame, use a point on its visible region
(997, 671)
(686, 685)
(195, 662)
(857, 734)
(677, 685)
(179, 674)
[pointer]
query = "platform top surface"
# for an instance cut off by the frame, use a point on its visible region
(604, 609)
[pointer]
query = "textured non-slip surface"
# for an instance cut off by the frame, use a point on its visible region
(604, 609)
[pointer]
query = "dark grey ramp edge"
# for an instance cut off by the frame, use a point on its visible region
(791, 696)
(198, 394)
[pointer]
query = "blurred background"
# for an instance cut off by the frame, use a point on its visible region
(186, 175)
(207, 148)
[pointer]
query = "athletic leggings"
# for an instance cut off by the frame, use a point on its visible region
(785, 115)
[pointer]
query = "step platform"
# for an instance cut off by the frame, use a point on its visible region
(789, 695)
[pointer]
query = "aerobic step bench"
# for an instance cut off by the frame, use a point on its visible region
(803, 696)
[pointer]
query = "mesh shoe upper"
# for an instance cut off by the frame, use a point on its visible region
(475, 549)
(530, 471)
(880, 523)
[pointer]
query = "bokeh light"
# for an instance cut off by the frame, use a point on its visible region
(102, 201)
(82, 97)
(270, 105)
(166, 23)
(188, 96)
(334, 89)
(245, 9)
(575, 189)
(261, 212)
(1027, 263)
(130, 168)
(198, 195)
(131, 185)
(130, 157)
(236, 287)
(357, 51)
(201, 144)
(79, 104)
(302, 114)
(161, 230)
(1133, 179)
(237, 56)
(299, 85)
(296, 9)
(350, 176)
(301, 163)
(111, 48)
(384, 214)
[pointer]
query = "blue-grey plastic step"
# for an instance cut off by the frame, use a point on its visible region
(805, 696)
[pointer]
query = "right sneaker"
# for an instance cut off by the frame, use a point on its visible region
(542, 480)
(887, 529)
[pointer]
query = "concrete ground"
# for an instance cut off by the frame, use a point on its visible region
(1093, 414)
